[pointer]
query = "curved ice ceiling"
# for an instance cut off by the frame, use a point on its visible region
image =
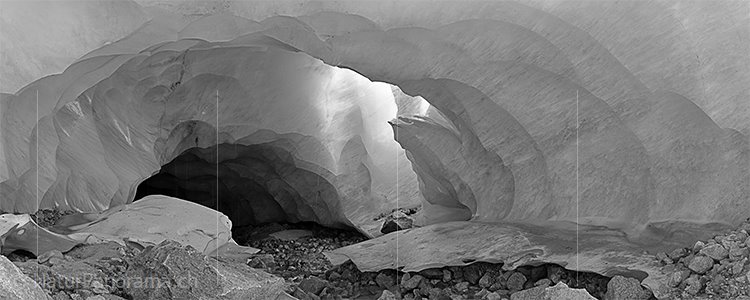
(661, 109)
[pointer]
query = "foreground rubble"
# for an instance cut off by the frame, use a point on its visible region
(717, 268)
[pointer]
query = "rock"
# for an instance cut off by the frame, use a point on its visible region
(463, 286)
(472, 273)
(14, 285)
(99, 288)
(516, 281)
(694, 284)
(561, 291)
(530, 294)
(175, 271)
(678, 253)
(717, 282)
(620, 287)
(447, 276)
(717, 252)
(395, 222)
(677, 277)
(61, 296)
(486, 281)
(700, 264)
(492, 296)
(409, 283)
(314, 284)
(737, 253)
(543, 282)
(664, 258)
(555, 273)
(385, 281)
(432, 273)
(698, 246)
(558, 292)
(66, 275)
(262, 261)
(387, 295)
(737, 266)
(51, 257)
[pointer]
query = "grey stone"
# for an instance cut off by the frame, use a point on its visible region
(15, 285)
(409, 283)
(562, 292)
(543, 282)
(700, 264)
(171, 271)
(486, 281)
(678, 253)
(314, 284)
(717, 252)
(516, 281)
(385, 281)
(664, 258)
(737, 253)
(694, 284)
(555, 273)
(432, 273)
(677, 277)
(535, 293)
(387, 295)
(447, 276)
(620, 287)
(472, 274)
(395, 222)
(493, 296)
(698, 246)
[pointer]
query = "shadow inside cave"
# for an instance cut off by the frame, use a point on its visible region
(256, 184)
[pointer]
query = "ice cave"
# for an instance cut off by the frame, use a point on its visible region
(519, 149)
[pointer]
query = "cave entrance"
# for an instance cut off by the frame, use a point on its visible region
(256, 185)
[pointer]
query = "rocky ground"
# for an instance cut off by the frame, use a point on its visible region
(714, 269)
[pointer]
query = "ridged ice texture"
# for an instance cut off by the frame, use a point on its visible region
(654, 137)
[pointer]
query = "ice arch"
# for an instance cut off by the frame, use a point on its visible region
(509, 120)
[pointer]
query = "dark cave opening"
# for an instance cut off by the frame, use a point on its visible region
(257, 185)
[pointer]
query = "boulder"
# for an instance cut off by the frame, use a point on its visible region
(620, 287)
(15, 285)
(701, 264)
(169, 270)
(716, 251)
(560, 291)
(395, 222)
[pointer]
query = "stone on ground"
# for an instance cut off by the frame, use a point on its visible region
(15, 285)
(172, 271)
(558, 292)
(620, 287)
